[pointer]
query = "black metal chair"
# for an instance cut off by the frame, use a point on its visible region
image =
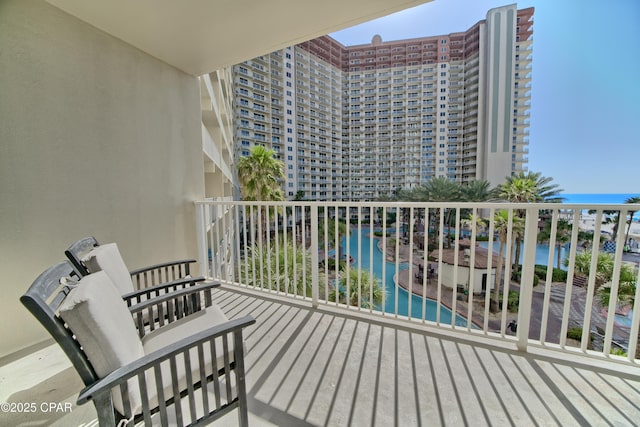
(185, 382)
(143, 277)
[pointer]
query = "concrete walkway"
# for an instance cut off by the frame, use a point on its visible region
(407, 280)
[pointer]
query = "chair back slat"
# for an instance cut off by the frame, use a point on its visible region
(42, 299)
(78, 250)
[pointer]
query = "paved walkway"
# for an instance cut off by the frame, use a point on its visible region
(556, 301)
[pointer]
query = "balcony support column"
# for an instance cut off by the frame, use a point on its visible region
(201, 232)
(314, 256)
(526, 278)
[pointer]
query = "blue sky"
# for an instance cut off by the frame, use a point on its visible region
(585, 84)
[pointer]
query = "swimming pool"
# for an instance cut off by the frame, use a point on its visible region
(363, 259)
(542, 253)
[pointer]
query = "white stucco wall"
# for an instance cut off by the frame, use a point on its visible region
(96, 138)
(463, 277)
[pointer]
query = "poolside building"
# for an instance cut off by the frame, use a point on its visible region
(459, 273)
(358, 122)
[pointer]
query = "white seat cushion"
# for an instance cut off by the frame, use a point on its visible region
(169, 334)
(103, 325)
(107, 258)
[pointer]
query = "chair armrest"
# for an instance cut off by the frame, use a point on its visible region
(132, 370)
(160, 289)
(158, 311)
(159, 273)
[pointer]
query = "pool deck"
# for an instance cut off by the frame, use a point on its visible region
(406, 279)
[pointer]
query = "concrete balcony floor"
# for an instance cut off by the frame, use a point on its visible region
(325, 367)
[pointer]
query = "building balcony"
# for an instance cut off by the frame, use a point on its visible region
(314, 361)
(310, 360)
(543, 314)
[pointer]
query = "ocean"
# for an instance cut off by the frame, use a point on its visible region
(608, 198)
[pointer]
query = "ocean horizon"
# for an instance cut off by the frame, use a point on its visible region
(597, 198)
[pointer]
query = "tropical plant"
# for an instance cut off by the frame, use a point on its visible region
(630, 201)
(501, 226)
(259, 174)
(604, 266)
(613, 217)
(289, 268)
(513, 300)
(626, 291)
(604, 274)
(563, 236)
(477, 191)
(474, 221)
(331, 231)
(528, 187)
(361, 286)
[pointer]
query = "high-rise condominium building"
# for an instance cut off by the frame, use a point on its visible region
(358, 122)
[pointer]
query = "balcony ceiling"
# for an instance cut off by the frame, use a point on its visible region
(200, 36)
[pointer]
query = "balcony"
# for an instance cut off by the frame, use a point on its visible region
(347, 364)
(231, 263)
(313, 361)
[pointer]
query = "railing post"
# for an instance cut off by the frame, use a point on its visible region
(526, 278)
(201, 237)
(314, 256)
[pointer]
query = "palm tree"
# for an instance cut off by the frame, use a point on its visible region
(472, 221)
(477, 191)
(543, 189)
(259, 174)
(528, 187)
(563, 236)
(370, 284)
(442, 189)
(630, 201)
(343, 230)
(626, 292)
(501, 226)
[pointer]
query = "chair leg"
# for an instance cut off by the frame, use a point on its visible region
(104, 409)
(238, 346)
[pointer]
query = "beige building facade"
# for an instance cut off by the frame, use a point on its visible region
(359, 122)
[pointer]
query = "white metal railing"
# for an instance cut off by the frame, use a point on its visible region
(437, 265)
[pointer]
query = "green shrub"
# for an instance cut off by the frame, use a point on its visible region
(379, 234)
(482, 238)
(540, 271)
(331, 264)
(512, 301)
(558, 275)
(515, 276)
(618, 352)
(576, 334)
